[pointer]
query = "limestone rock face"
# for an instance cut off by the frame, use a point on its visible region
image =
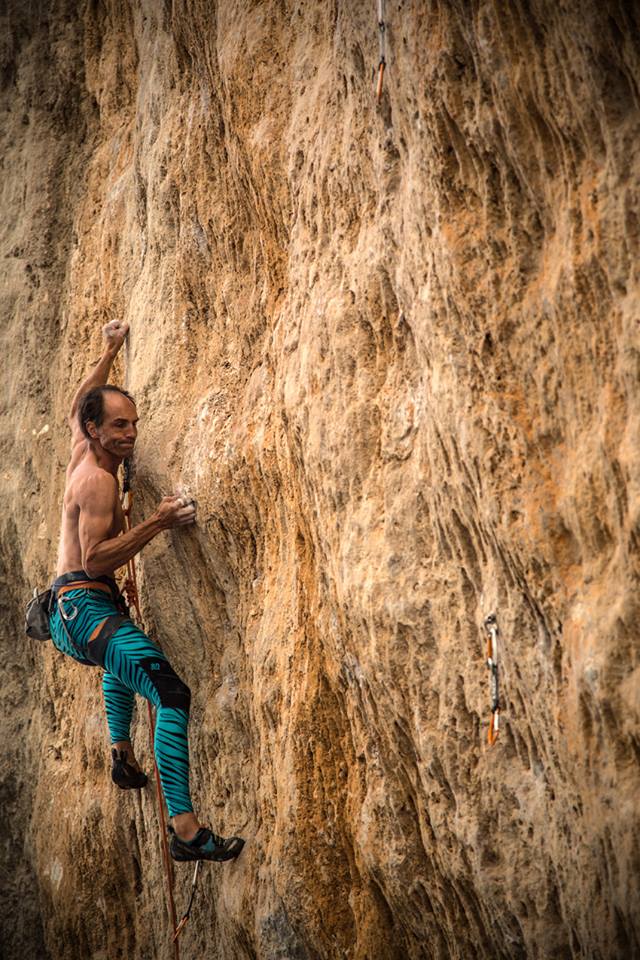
(393, 351)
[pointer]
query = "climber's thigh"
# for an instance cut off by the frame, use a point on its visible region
(142, 666)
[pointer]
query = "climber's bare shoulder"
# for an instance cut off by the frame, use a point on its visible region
(91, 506)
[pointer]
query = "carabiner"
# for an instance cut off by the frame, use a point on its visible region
(65, 616)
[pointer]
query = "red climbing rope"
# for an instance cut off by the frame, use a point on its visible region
(131, 593)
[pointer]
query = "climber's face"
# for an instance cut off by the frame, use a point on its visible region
(118, 431)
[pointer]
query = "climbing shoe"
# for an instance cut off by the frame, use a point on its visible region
(204, 846)
(123, 774)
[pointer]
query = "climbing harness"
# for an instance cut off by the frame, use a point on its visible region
(491, 628)
(382, 62)
(185, 915)
(102, 633)
(131, 592)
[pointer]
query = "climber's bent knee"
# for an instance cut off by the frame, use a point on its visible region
(172, 691)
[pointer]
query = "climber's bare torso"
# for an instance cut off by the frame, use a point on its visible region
(91, 512)
(81, 472)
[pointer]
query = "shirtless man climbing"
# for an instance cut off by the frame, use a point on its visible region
(88, 619)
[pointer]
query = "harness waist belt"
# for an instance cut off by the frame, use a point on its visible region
(80, 579)
(83, 585)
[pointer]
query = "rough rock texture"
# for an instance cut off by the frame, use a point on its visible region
(393, 350)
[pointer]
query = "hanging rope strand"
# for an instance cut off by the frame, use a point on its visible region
(131, 592)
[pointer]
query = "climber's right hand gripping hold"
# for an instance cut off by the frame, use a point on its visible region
(102, 552)
(175, 511)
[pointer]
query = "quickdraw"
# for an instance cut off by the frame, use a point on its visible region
(491, 627)
(382, 62)
(185, 916)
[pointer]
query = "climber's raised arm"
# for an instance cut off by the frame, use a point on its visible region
(113, 334)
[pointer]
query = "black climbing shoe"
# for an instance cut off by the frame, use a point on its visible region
(123, 774)
(204, 846)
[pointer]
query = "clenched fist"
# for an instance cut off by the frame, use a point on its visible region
(114, 333)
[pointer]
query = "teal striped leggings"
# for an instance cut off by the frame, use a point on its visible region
(133, 664)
